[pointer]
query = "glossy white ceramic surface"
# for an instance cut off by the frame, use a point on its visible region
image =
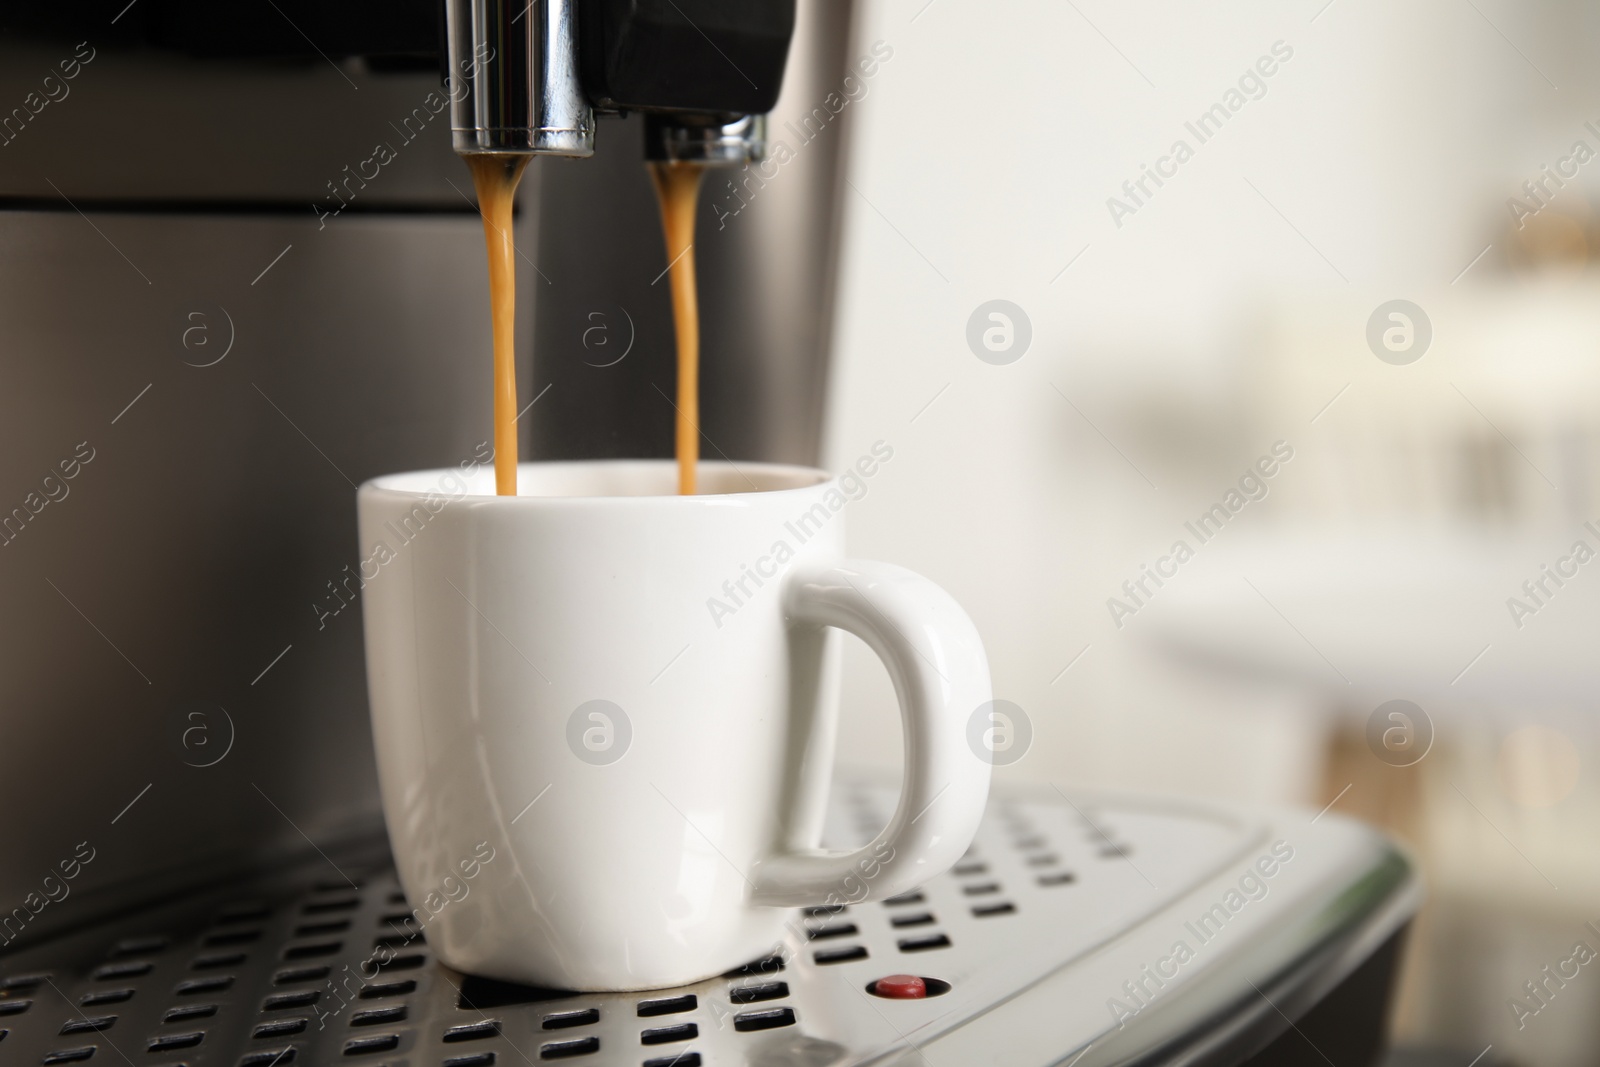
(626, 700)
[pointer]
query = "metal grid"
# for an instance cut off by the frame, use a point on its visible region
(286, 976)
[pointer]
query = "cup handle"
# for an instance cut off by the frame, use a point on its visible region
(941, 675)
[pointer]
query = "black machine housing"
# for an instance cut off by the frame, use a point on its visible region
(718, 56)
(708, 56)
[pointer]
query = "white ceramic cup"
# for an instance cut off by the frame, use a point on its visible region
(627, 700)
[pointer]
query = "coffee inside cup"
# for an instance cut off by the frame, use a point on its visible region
(677, 188)
(606, 478)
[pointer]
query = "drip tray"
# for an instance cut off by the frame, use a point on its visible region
(1055, 940)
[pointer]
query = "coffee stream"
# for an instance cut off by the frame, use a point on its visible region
(495, 177)
(678, 189)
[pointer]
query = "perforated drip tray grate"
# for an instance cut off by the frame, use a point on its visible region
(273, 977)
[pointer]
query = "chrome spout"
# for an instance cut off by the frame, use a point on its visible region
(513, 78)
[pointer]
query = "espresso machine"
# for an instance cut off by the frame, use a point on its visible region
(242, 272)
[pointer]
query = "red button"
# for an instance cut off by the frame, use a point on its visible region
(901, 987)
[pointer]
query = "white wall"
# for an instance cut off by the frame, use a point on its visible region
(980, 165)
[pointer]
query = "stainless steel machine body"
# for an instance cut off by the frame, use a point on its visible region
(1055, 941)
(231, 290)
(516, 71)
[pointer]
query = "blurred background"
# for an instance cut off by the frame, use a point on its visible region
(1304, 288)
(1177, 339)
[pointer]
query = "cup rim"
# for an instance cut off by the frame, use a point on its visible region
(427, 482)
